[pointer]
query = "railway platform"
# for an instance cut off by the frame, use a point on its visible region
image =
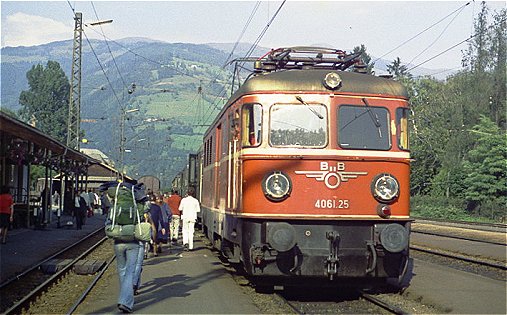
(175, 282)
(27, 246)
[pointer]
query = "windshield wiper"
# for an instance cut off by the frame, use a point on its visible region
(373, 118)
(309, 107)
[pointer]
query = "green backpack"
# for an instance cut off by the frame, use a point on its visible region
(124, 206)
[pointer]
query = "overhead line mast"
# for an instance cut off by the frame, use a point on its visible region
(73, 123)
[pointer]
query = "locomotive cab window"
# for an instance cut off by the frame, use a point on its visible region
(363, 127)
(402, 128)
(298, 125)
(252, 125)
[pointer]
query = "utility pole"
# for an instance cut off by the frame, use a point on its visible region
(123, 139)
(73, 123)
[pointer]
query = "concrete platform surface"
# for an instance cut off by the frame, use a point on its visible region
(176, 282)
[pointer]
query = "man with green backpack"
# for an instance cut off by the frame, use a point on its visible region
(129, 231)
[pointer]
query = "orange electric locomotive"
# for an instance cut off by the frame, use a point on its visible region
(304, 174)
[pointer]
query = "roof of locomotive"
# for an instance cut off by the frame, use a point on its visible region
(312, 81)
(302, 69)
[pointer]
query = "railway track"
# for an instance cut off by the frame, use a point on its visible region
(459, 257)
(459, 237)
(339, 303)
(492, 235)
(479, 226)
(21, 293)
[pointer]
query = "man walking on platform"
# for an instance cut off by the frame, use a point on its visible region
(189, 206)
(173, 201)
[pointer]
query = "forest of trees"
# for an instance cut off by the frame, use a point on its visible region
(458, 126)
(458, 139)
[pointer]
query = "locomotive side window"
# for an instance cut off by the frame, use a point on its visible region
(302, 125)
(402, 127)
(234, 125)
(251, 125)
(363, 127)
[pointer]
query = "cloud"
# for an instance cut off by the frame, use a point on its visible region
(22, 29)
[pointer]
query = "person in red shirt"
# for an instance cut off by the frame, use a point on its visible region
(6, 212)
(173, 201)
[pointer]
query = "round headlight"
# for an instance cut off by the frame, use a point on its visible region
(385, 188)
(332, 80)
(394, 238)
(276, 186)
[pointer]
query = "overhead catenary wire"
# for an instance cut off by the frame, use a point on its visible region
(148, 59)
(96, 56)
(220, 95)
(453, 46)
(438, 37)
(109, 48)
(252, 48)
(103, 71)
(252, 14)
(420, 33)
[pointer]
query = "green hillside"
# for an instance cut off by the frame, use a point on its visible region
(172, 112)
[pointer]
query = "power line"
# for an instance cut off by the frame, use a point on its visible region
(103, 70)
(109, 48)
(463, 41)
(417, 35)
(149, 59)
(257, 4)
(252, 48)
(438, 37)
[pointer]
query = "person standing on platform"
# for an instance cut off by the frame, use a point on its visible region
(86, 198)
(105, 203)
(6, 212)
(189, 207)
(166, 218)
(157, 218)
(173, 201)
(68, 204)
(80, 208)
(91, 204)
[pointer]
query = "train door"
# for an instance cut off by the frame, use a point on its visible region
(232, 163)
(218, 150)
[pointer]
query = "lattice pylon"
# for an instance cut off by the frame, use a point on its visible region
(73, 123)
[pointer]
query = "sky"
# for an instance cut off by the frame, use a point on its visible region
(381, 26)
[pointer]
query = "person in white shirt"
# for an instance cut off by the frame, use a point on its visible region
(189, 206)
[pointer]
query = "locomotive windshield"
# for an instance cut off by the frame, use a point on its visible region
(363, 128)
(298, 125)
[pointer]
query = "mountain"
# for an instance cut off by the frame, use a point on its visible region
(167, 76)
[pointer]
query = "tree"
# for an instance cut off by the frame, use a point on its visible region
(398, 70)
(486, 179)
(45, 104)
(477, 58)
(499, 48)
(365, 57)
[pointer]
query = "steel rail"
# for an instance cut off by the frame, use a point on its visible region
(492, 264)
(458, 237)
(391, 308)
(38, 264)
(18, 306)
(90, 287)
(291, 306)
(481, 226)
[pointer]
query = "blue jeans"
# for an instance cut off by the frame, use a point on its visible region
(139, 265)
(126, 259)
